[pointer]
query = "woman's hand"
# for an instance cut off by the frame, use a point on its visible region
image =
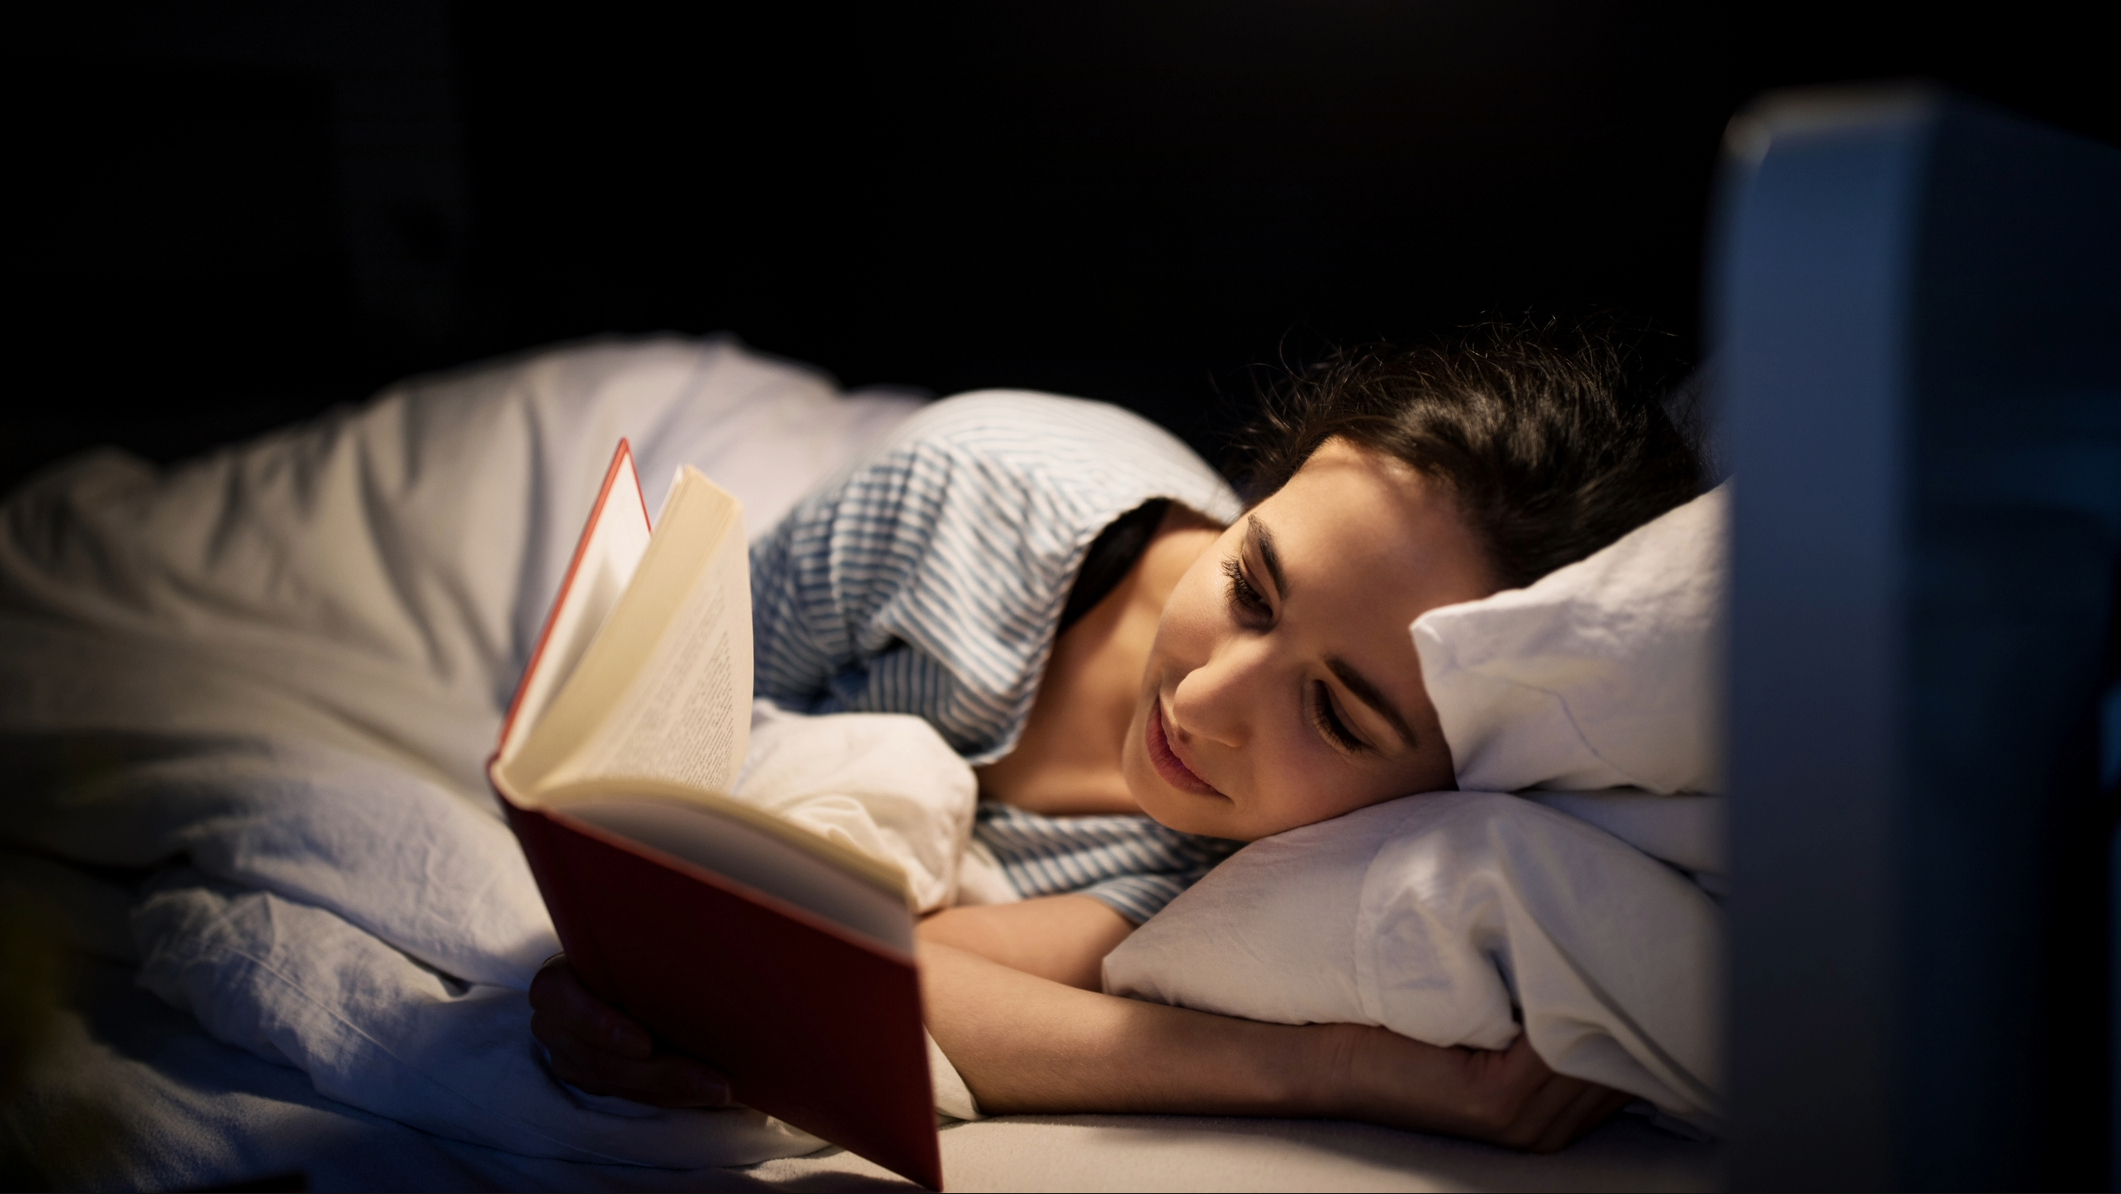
(1508, 1097)
(598, 1048)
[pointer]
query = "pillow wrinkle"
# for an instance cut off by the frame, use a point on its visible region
(1428, 948)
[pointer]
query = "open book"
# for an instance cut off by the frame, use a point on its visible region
(780, 957)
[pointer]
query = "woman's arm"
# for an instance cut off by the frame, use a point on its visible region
(1063, 938)
(1026, 1044)
(1029, 1044)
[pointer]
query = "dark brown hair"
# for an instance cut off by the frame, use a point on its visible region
(1551, 448)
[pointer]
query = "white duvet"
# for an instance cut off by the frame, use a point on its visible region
(283, 665)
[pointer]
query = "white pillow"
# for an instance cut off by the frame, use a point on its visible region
(1687, 831)
(1603, 674)
(1433, 915)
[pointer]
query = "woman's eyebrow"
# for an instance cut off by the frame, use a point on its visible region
(1371, 695)
(1264, 540)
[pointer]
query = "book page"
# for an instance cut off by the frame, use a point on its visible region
(686, 718)
(612, 544)
(664, 690)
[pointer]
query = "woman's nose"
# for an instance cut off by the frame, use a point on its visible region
(1214, 700)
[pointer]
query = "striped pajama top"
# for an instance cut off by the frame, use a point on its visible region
(929, 578)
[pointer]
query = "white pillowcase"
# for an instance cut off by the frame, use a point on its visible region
(1433, 915)
(1604, 674)
(1686, 831)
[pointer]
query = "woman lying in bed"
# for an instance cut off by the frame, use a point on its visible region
(1216, 674)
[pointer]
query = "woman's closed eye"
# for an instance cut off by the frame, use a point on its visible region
(1329, 722)
(1244, 596)
(1252, 606)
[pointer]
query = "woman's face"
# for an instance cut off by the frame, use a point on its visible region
(1283, 687)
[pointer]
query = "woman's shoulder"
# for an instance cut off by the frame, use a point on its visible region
(930, 575)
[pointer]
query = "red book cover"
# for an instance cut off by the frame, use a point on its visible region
(813, 1022)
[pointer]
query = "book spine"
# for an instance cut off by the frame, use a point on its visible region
(545, 847)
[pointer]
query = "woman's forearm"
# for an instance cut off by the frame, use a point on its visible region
(1064, 938)
(1026, 1044)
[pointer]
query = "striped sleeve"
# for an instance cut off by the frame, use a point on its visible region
(928, 578)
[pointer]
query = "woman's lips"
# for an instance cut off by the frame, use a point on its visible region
(1166, 760)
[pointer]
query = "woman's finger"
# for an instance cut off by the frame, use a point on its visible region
(664, 1080)
(1519, 1093)
(1589, 1106)
(1548, 1110)
(1544, 1111)
(1506, 1078)
(558, 995)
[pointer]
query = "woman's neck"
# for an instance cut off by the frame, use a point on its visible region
(1068, 760)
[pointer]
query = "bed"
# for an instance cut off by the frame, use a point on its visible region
(284, 661)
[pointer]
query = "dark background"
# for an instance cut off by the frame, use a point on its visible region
(240, 213)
